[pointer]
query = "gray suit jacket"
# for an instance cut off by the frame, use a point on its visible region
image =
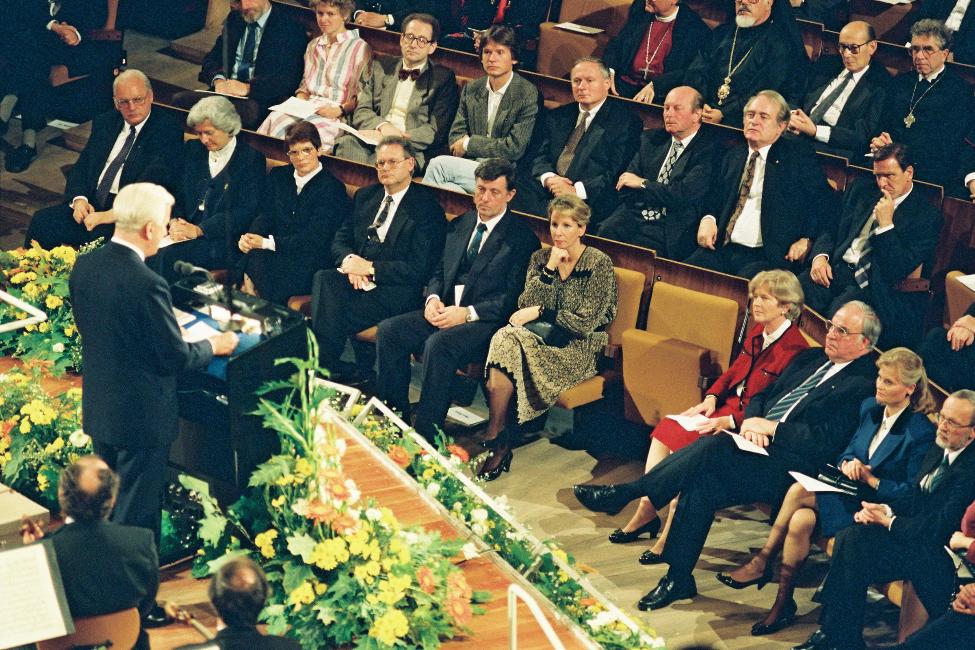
(513, 123)
(431, 107)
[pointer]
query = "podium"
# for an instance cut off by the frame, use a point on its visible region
(220, 440)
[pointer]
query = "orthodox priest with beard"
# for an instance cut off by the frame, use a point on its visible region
(761, 50)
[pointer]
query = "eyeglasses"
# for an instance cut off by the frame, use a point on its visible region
(422, 41)
(950, 424)
(854, 49)
(839, 329)
(926, 50)
(298, 153)
(388, 164)
(130, 103)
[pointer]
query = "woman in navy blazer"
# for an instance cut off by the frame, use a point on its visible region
(885, 454)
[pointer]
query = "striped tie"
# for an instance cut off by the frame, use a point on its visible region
(781, 407)
(861, 274)
(664, 179)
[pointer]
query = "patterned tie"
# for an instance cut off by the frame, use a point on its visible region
(743, 190)
(783, 405)
(861, 274)
(569, 152)
(373, 230)
(475, 246)
(664, 179)
(935, 477)
(819, 110)
(105, 185)
(247, 60)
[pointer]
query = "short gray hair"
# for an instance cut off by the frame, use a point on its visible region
(131, 73)
(593, 59)
(784, 286)
(935, 29)
(871, 322)
(968, 396)
(783, 114)
(219, 111)
(139, 203)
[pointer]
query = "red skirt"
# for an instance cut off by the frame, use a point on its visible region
(677, 437)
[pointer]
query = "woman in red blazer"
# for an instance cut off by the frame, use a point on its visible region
(771, 344)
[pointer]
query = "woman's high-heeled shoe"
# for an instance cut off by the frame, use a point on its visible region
(619, 536)
(503, 466)
(760, 581)
(785, 618)
(649, 557)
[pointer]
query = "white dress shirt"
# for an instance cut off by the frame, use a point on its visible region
(116, 148)
(829, 373)
(832, 114)
(748, 228)
(886, 424)
(217, 160)
(674, 140)
(579, 187)
(401, 99)
(853, 254)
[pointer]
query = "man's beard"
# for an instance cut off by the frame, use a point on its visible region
(745, 21)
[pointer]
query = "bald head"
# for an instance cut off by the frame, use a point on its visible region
(682, 111)
(87, 489)
(857, 43)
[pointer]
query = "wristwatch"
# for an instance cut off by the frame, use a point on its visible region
(643, 185)
(470, 316)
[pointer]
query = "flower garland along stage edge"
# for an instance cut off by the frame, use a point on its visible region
(343, 571)
(40, 278)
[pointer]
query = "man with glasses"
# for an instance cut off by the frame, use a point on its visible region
(931, 110)
(385, 251)
(410, 97)
(130, 144)
(959, 19)
(842, 111)
(882, 250)
(905, 539)
(803, 420)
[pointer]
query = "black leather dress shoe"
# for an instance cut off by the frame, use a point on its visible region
(619, 536)
(20, 159)
(156, 617)
(649, 557)
(601, 498)
(816, 641)
(786, 618)
(666, 592)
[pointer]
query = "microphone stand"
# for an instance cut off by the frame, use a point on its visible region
(230, 275)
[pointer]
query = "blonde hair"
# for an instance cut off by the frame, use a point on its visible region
(910, 370)
(784, 287)
(572, 206)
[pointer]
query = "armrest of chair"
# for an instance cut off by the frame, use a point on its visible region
(914, 283)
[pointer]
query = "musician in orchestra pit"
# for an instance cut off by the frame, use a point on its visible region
(931, 110)
(657, 43)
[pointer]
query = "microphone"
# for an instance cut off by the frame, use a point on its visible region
(185, 268)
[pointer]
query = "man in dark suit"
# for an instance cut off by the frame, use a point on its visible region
(959, 19)
(388, 14)
(132, 352)
(584, 146)
(649, 55)
(410, 97)
(842, 111)
(130, 145)
(804, 419)
(238, 591)
(905, 539)
(55, 33)
(105, 567)
(495, 119)
(664, 187)
(472, 293)
(768, 199)
(385, 251)
(464, 24)
(950, 355)
(931, 110)
(883, 245)
(257, 60)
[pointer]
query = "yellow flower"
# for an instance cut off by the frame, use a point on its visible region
(65, 253)
(390, 627)
(25, 425)
(19, 278)
(304, 594)
(393, 590)
(320, 588)
(359, 543)
(367, 572)
(286, 480)
(429, 473)
(42, 483)
(44, 327)
(277, 502)
(69, 331)
(303, 468)
(53, 302)
(328, 554)
(265, 542)
(54, 447)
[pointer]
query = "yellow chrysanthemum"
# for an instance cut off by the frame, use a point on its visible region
(328, 554)
(53, 302)
(390, 627)
(304, 594)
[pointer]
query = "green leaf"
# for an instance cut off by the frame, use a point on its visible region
(212, 527)
(302, 545)
(270, 471)
(214, 565)
(295, 574)
(481, 597)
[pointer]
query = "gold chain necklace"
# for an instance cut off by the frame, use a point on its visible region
(724, 90)
(910, 119)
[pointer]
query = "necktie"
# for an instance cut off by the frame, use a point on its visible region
(743, 190)
(373, 230)
(664, 179)
(475, 246)
(247, 60)
(936, 476)
(105, 185)
(862, 271)
(409, 74)
(783, 405)
(819, 110)
(569, 152)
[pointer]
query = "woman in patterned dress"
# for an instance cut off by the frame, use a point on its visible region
(571, 288)
(333, 63)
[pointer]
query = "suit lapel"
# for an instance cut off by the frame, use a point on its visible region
(478, 125)
(490, 248)
(453, 254)
(400, 218)
(893, 439)
(592, 136)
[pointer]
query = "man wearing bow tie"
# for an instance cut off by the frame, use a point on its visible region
(411, 97)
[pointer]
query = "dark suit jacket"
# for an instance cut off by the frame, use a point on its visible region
(497, 275)
(398, 9)
(106, 567)
(963, 43)
(690, 37)
(132, 349)
(513, 125)
(279, 61)
(601, 155)
(150, 160)
(413, 244)
(861, 114)
(232, 195)
(795, 195)
(524, 16)
(234, 638)
(818, 428)
(683, 196)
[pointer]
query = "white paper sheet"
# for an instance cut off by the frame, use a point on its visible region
(968, 281)
(580, 29)
(199, 332)
(690, 422)
(366, 136)
(182, 317)
(746, 445)
(30, 605)
(300, 108)
(813, 484)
